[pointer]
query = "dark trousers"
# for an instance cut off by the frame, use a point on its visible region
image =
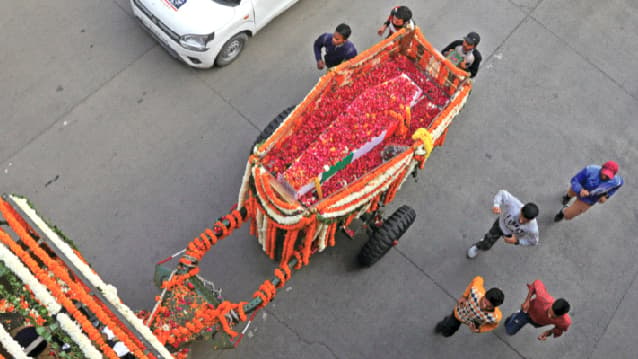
(448, 326)
(490, 237)
(516, 321)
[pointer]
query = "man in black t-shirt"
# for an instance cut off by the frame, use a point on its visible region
(464, 54)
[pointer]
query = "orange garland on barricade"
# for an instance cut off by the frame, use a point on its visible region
(134, 346)
(62, 298)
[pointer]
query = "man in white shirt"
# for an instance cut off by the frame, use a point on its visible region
(516, 224)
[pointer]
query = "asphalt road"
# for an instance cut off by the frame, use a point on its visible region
(132, 154)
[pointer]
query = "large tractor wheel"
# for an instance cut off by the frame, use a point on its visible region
(386, 235)
(272, 126)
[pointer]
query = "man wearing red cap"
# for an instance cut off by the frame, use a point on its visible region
(593, 184)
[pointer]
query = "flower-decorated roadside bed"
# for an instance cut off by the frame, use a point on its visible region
(347, 148)
(46, 285)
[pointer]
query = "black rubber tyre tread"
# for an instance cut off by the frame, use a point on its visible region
(273, 125)
(382, 238)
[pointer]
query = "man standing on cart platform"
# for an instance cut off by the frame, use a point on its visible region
(593, 184)
(464, 54)
(400, 17)
(338, 47)
(476, 308)
(540, 311)
(516, 224)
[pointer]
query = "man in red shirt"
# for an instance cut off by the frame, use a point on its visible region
(541, 310)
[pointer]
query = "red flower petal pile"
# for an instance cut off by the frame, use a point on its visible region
(337, 124)
(364, 119)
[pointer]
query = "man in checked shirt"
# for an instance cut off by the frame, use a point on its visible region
(476, 308)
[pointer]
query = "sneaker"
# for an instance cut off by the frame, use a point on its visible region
(472, 252)
(565, 200)
(559, 216)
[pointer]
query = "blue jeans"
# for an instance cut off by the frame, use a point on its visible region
(516, 321)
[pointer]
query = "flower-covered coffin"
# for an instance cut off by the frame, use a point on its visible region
(353, 140)
(372, 117)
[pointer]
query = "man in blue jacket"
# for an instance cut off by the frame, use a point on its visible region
(593, 184)
(338, 47)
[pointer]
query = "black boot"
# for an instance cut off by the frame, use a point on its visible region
(559, 216)
(565, 199)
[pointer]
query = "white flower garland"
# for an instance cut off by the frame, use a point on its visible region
(285, 220)
(322, 230)
(262, 229)
(354, 198)
(43, 296)
(75, 332)
(41, 293)
(109, 291)
(244, 186)
(11, 345)
(438, 131)
(299, 210)
(259, 217)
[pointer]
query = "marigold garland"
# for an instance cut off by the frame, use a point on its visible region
(63, 274)
(55, 290)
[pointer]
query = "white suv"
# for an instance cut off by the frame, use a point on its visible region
(203, 33)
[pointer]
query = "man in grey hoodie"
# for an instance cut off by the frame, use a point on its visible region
(516, 224)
